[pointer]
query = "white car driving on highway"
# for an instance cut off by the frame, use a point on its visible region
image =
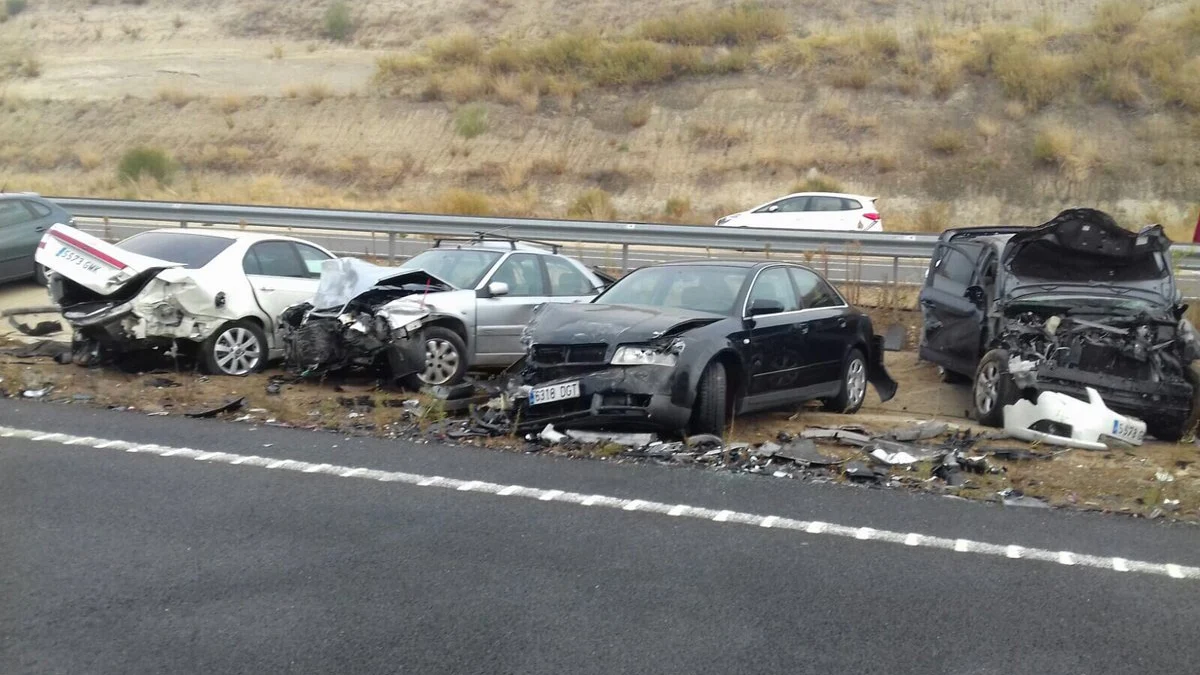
(811, 211)
(218, 292)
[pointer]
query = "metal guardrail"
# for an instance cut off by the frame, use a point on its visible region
(875, 244)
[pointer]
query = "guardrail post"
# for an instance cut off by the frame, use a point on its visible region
(107, 230)
(391, 247)
(183, 224)
(896, 272)
(624, 258)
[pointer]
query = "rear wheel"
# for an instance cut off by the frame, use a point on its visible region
(709, 412)
(39, 275)
(854, 385)
(238, 348)
(993, 388)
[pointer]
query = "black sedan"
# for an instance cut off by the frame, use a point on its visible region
(686, 346)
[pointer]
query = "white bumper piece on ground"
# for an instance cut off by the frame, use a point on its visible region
(1089, 422)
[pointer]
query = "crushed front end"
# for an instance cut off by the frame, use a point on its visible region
(597, 385)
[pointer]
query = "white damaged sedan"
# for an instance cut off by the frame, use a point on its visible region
(215, 292)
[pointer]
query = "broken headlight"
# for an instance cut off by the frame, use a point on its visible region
(647, 355)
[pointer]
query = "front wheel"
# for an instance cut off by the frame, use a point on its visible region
(238, 348)
(445, 359)
(708, 415)
(993, 388)
(854, 385)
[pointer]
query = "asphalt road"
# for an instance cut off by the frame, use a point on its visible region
(136, 558)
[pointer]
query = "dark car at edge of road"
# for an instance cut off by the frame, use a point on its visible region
(24, 216)
(1077, 302)
(686, 346)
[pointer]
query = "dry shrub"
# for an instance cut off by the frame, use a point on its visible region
(504, 58)
(947, 77)
(514, 175)
(594, 204)
(464, 203)
(1182, 87)
(230, 103)
(817, 182)
(463, 84)
(175, 96)
(507, 88)
(88, 158)
(551, 165)
(934, 217)
(1052, 145)
(315, 93)
(1121, 87)
(458, 49)
(1034, 77)
(638, 114)
(471, 120)
(393, 70)
(1113, 19)
(946, 141)
(745, 24)
(987, 128)
(677, 208)
(790, 55)
(530, 101)
(715, 135)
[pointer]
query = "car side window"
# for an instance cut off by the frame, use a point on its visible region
(39, 210)
(785, 205)
(954, 267)
(274, 259)
(814, 291)
(773, 284)
(822, 203)
(523, 274)
(851, 204)
(566, 279)
(13, 212)
(312, 258)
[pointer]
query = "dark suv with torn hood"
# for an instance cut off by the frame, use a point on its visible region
(1077, 302)
(685, 346)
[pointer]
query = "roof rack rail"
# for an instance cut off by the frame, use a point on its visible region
(481, 237)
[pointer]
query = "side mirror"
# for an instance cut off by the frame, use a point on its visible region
(1181, 311)
(772, 208)
(497, 289)
(764, 306)
(976, 295)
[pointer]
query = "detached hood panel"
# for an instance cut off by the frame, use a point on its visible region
(574, 323)
(346, 279)
(1082, 246)
(92, 262)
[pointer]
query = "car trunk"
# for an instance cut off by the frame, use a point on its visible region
(96, 269)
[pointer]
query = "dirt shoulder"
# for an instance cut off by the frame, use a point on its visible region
(1153, 480)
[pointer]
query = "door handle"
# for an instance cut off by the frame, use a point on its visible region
(40, 228)
(842, 322)
(802, 329)
(927, 303)
(264, 289)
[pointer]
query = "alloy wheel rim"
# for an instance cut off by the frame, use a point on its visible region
(441, 361)
(856, 381)
(237, 351)
(986, 388)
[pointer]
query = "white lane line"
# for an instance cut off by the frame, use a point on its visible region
(1168, 570)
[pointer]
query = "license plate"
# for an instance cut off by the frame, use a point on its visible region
(554, 392)
(79, 260)
(1129, 432)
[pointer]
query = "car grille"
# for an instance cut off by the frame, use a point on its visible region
(555, 355)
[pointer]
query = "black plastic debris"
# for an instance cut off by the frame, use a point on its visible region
(841, 435)
(363, 401)
(454, 392)
(894, 337)
(767, 450)
(46, 348)
(1013, 497)
(860, 472)
(161, 383)
(38, 330)
(1016, 454)
(213, 412)
(918, 432)
(274, 387)
(704, 442)
(804, 451)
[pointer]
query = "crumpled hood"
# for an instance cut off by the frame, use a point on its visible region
(581, 323)
(346, 279)
(1083, 247)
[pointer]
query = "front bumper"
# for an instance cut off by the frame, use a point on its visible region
(1059, 419)
(631, 397)
(1165, 401)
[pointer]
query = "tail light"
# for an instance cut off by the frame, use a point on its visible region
(871, 216)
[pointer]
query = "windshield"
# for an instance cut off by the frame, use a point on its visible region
(700, 288)
(190, 250)
(1088, 304)
(459, 267)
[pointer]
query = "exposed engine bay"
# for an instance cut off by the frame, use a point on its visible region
(351, 323)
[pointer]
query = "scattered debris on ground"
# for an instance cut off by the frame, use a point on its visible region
(879, 451)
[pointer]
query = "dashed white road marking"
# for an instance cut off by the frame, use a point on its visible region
(816, 527)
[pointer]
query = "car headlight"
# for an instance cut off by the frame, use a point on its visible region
(647, 355)
(724, 219)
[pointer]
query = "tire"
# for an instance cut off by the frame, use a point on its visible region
(854, 385)
(992, 388)
(445, 359)
(951, 377)
(39, 275)
(237, 349)
(709, 411)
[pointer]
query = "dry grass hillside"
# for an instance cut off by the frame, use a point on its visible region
(952, 111)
